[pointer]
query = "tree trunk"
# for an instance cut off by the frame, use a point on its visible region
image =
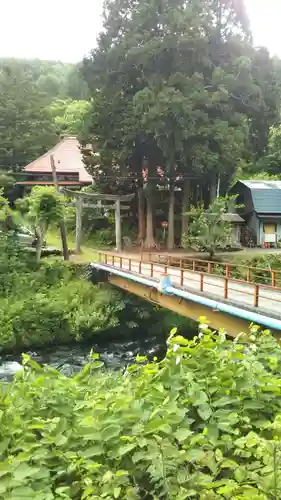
(171, 219)
(185, 207)
(39, 246)
(141, 216)
(149, 240)
(213, 190)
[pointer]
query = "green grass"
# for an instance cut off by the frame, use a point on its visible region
(88, 254)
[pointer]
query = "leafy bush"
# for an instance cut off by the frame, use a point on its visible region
(208, 230)
(57, 314)
(103, 238)
(54, 303)
(204, 423)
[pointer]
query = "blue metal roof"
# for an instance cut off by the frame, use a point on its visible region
(266, 195)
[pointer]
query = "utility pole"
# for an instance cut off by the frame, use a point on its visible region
(62, 224)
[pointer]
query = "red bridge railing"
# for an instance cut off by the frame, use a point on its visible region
(202, 273)
(249, 274)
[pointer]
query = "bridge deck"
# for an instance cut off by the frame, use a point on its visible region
(260, 298)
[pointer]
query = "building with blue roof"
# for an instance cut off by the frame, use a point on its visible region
(259, 203)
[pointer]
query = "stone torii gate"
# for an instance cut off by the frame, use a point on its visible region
(80, 197)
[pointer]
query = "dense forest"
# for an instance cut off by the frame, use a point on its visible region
(39, 102)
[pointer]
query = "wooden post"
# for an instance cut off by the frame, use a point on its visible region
(273, 278)
(256, 296)
(227, 271)
(118, 226)
(226, 288)
(78, 235)
(201, 282)
(62, 224)
(182, 277)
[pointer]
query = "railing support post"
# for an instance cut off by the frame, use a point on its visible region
(226, 288)
(273, 278)
(140, 267)
(130, 264)
(210, 267)
(193, 265)
(201, 282)
(105, 258)
(256, 296)
(227, 271)
(151, 270)
(121, 262)
(181, 277)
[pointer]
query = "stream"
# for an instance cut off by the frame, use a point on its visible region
(70, 359)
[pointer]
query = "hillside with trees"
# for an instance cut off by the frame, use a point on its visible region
(39, 101)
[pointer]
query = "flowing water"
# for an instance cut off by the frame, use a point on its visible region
(70, 359)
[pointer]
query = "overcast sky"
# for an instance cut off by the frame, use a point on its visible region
(65, 30)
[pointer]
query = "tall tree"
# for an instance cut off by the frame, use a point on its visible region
(181, 73)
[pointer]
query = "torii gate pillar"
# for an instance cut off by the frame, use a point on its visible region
(118, 232)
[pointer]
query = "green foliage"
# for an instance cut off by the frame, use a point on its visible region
(4, 208)
(31, 118)
(249, 171)
(208, 231)
(54, 303)
(45, 205)
(49, 304)
(45, 208)
(271, 162)
(6, 182)
(55, 79)
(204, 423)
(69, 116)
(26, 130)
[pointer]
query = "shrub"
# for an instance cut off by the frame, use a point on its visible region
(204, 423)
(54, 303)
(67, 312)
